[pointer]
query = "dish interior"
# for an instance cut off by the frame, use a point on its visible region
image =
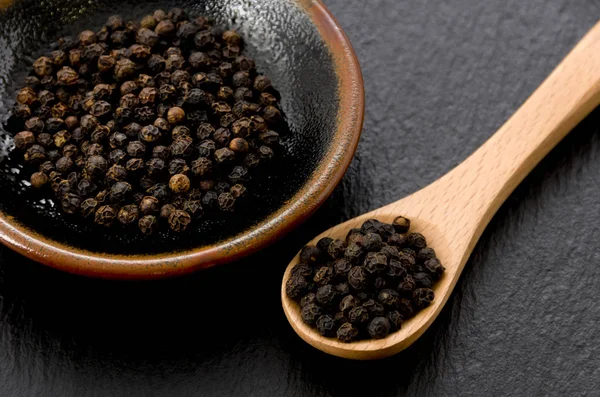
(286, 46)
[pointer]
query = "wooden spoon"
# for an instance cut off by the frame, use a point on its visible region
(453, 211)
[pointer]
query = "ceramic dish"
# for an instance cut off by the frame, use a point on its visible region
(312, 64)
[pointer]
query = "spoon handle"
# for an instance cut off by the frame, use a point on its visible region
(465, 199)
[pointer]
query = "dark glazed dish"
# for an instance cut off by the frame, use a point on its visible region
(311, 62)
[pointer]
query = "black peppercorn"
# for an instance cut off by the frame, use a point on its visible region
(155, 167)
(296, 286)
(181, 147)
(238, 174)
(26, 96)
(147, 224)
(238, 190)
(267, 99)
(124, 69)
(180, 131)
(35, 125)
(302, 269)
(310, 313)
(262, 83)
(348, 303)
(375, 308)
(341, 268)
(395, 268)
(310, 254)
(38, 180)
(128, 214)
(425, 254)
(210, 199)
(226, 202)
(175, 115)
(308, 298)
(336, 248)
(265, 152)
(99, 135)
(93, 149)
(401, 224)
(390, 252)
(64, 164)
(358, 278)
(43, 66)
(119, 192)
(389, 298)
(147, 37)
(326, 325)
(35, 154)
(148, 22)
(179, 183)
(86, 187)
(372, 242)
(241, 79)
(136, 149)
(434, 267)
(222, 187)
(105, 215)
(407, 285)
(347, 333)
(22, 111)
(327, 295)
(194, 208)
(160, 191)
(100, 109)
(149, 134)
(379, 328)
(70, 203)
(177, 166)
(166, 210)
(53, 155)
(96, 165)
(24, 139)
(323, 243)
(422, 297)
(422, 280)
(375, 262)
(61, 187)
(149, 205)
(354, 254)
(323, 275)
(32, 81)
(224, 155)
(358, 315)
(88, 207)
(179, 220)
(46, 167)
(396, 239)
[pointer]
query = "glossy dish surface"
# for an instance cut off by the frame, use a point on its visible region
(312, 64)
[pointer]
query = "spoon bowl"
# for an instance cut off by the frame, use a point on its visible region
(453, 211)
(411, 328)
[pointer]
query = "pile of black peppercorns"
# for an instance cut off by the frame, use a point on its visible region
(145, 121)
(366, 286)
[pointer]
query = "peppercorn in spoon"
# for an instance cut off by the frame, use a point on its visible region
(453, 211)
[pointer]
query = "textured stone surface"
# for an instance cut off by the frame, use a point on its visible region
(440, 78)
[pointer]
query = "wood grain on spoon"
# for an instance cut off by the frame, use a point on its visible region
(453, 211)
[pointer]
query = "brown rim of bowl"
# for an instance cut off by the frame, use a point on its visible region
(304, 203)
